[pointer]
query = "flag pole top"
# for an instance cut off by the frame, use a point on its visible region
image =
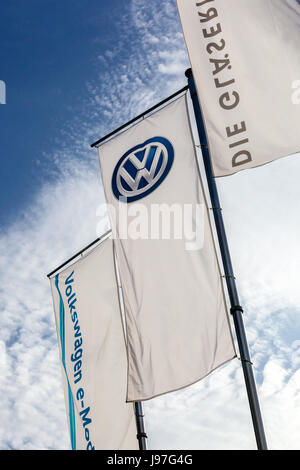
(188, 73)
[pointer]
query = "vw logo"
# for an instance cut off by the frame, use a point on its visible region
(142, 169)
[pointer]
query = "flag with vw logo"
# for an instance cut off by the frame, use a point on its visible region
(93, 354)
(176, 321)
(246, 65)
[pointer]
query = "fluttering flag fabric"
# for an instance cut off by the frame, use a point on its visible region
(93, 353)
(246, 65)
(177, 326)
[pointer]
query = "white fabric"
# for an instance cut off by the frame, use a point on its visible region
(93, 353)
(177, 326)
(245, 60)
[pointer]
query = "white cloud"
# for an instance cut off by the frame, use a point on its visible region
(56, 225)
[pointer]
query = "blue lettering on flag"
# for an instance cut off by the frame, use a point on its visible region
(76, 361)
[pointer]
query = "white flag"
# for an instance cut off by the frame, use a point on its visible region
(177, 326)
(245, 60)
(93, 353)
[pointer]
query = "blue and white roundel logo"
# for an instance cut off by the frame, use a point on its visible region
(142, 169)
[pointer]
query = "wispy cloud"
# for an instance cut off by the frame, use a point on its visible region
(53, 228)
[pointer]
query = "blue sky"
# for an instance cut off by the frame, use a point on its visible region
(49, 53)
(74, 71)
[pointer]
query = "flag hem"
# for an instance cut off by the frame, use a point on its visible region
(257, 166)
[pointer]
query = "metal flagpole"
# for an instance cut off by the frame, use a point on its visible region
(236, 310)
(140, 426)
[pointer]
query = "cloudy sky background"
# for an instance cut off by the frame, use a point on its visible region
(130, 55)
